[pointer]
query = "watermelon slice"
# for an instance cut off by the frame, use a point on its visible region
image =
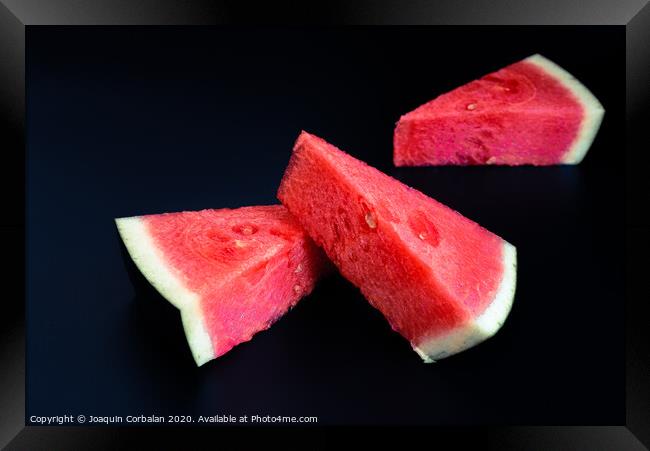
(231, 273)
(442, 281)
(531, 112)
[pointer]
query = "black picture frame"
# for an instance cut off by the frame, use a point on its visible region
(16, 15)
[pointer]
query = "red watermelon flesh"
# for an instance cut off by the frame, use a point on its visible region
(232, 273)
(532, 112)
(442, 281)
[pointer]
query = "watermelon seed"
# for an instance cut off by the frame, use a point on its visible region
(369, 215)
(298, 268)
(370, 220)
(423, 228)
(281, 234)
(245, 229)
(471, 106)
(216, 236)
(297, 289)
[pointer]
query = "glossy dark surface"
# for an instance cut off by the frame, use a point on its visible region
(135, 121)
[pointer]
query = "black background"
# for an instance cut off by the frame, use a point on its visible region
(133, 121)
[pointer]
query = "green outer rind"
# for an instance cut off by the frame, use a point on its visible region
(152, 264)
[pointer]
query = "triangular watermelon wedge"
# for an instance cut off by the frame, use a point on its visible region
(442, 281)
(532, 112)
(231, 273)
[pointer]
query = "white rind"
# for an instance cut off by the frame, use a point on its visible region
(151, 263)
(482, 327)
(593, 109)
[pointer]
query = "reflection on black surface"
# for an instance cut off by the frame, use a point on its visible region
(157, 330)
